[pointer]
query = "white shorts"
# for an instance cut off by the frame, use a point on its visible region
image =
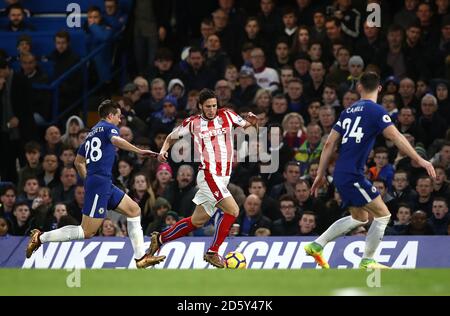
(212, 190)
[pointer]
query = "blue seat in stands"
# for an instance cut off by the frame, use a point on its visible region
(60, 6)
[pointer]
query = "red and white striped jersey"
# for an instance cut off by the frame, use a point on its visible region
(213, 139)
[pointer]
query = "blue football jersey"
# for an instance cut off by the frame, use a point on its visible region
(98, 150)
(359, 125)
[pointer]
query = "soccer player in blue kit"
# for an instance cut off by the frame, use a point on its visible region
(355, 131)
(94, 163)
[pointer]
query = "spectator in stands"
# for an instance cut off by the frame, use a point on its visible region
(286, 74)
(33, 166)
(424, 201)
(73, 125)
(30, 190)
(40, 207)
(180, 193)
(49, 176)
(21, 222)
(407, 124)
(109, 229)
(165, 118)
(370, 44)
(335, 34)
(8, 195)
(281, 57)
(198, 75)
(176, 89)
(382, 170)
(443, 156)
(52, 222)
(16, 16)
(291, 174)
(164, 175)
(215, 57)
(247, 89)
(269, 206)
(302, 66)
(327, 113)
(278, 109)
(225, 32)
(64, 58)
(74, 208)
(98, 33)
(398, 227)
(263, 100)
(295, 96)
(350, 18)
(401, 189)
(294, 131)
(313, 111)
(16, 119)
(67, 156)
(125, 168)
(251, 217)
(419, 224)
(389, 104)
(317, 29)
(349, 98)
(407, 14)
(160, 212)
(4, 227)
(64, 192)
(143, 194)
(289, 24)
(439, 220)
(113, 16)
(307, 224)
(301, 43)
(287, 225)
(431, 121)
(24, 44)
(224, 94)
(232, 76)
(266, 77)
(339, 72)
(441, 186)
(4, 11)
(311, 148)
(53, 143)
(387, 198)
(163, 66)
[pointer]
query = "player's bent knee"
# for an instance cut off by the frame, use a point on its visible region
(198, 223)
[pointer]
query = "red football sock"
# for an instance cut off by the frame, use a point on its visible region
(222, 231)
(180, 229)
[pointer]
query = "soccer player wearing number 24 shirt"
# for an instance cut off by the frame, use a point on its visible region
(94, 163)
(355, 131)
(212, 133)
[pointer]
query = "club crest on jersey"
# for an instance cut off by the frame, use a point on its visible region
(113, 131)
(216, 193)
(101, 210)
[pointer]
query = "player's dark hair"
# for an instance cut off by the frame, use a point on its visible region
(204, 95)
(370, 81)
(108, 107)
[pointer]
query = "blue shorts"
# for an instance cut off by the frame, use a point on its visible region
(100, 195)
(354, 191)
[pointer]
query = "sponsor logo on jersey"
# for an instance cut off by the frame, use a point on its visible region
(212, 132)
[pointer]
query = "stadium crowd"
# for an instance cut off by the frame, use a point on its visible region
(295, 64)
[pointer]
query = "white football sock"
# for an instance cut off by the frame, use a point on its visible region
(375, 235)
(65, 233)
(339, 228)
(136, 236)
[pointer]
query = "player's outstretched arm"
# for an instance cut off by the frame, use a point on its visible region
(80, 165)
(125, 145)
(327, 151)
(392, 133)
(168, 142)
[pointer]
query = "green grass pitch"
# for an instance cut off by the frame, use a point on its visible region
(225, 282)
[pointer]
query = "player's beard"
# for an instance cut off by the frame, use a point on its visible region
(206, 117)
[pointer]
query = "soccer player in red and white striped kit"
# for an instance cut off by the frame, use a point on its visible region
(212, 134)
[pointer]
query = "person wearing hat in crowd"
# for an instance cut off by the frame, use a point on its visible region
(391, 85)
(176, 89)
(164, 176)
(302, 66)
(441, 91)
(247, 88)
(165, 118)
(24, 46)
(356, 68)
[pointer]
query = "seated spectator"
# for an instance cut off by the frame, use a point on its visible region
(109, 229)
(33, 166)
(287, 225)
(215, 57)
(390, 105)
(30, 191)
(441, 186)
(387, 198)
(327, 115)
(16, 16)
(176, 89)
(49, 175)
(41, 207)
(64, 191)
(198, 75)
(311, 148)
(440, 218)
(382, 170)
(164, 119)
(4, 227)
(164, 67)
(159, 211)
(53, 143)
(21, 221)
(125, 168)
(401, 189)
(67, 156)
(291, 174)
(398, 226)
(424, 201)
(142, 193)
(430, 120)
(307, 224)
(59, 210)
(269, 206)
(247, 89)
(73, 125)
(75, 208)
(419, 225)
(266, 77)
(295, 96)
(180, 193)
(8, 195)
(251, 217)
